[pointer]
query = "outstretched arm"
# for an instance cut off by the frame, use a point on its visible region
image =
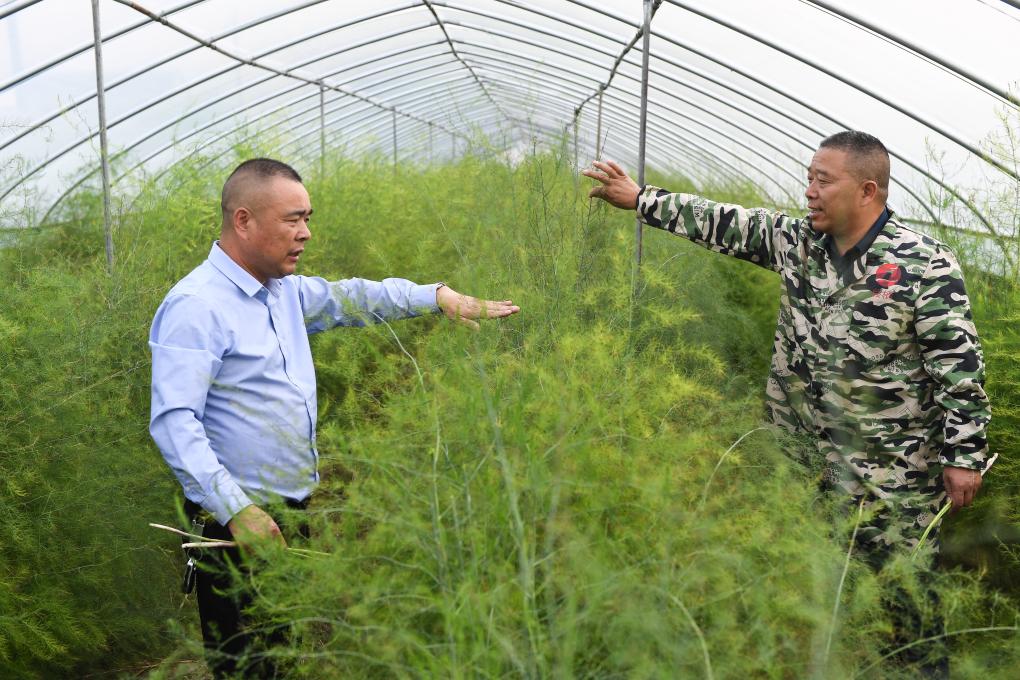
(465, 309)
(756, 235)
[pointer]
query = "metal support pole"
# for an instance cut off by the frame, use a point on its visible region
(431, 126)
(103, 148)
(394, 141)
(576, 168)
(577, 160)
(322, 130)
(598, 130)
(644, 118)
(453, 147)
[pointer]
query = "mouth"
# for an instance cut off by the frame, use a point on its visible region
(814, 212)
(293, 255)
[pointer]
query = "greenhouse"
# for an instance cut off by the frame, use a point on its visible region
(595, 479)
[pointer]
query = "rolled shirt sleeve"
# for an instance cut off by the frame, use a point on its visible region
(358, 302)
(187, 347)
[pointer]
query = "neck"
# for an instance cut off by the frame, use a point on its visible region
(848, 238)
(233, 251)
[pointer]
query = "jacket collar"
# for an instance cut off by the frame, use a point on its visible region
(824, 277)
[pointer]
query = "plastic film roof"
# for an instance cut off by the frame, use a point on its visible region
(738, 90)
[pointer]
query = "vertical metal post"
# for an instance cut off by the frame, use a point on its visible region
(598, 130)
(577, 121)
(394, 141)
(322, 131)
(103, 148)
(644, 118)
(453, 147)
(576, 168)
(430, 143)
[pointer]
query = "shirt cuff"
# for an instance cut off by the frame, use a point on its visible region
(971, 461)
(423, 298)
(225, 501)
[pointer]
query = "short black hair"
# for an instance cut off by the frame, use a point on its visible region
(253, 168)
(869, 157)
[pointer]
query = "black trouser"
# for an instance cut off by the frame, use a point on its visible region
(232, 643)
(910, 622)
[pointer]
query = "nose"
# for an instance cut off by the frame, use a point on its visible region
(305, 232)
(809, 191)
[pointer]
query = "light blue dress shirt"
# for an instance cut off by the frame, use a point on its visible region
(233, 386)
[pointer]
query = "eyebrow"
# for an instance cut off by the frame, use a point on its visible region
(299, 213)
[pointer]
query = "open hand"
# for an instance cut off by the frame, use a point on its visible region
(465, 309)
(616, 187)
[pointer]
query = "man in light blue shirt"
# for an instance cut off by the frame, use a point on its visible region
(233, 385)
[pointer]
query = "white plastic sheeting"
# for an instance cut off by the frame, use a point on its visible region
(739, 90)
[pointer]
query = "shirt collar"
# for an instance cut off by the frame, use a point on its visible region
(862, 246)
(219, 259)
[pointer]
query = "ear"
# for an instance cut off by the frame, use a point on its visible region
(242, 222)
(868, 192)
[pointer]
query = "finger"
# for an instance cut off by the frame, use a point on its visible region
(497, 308)
(597, 191)
(473, 325)
(596, 176)
(606, 168)
(616, 167)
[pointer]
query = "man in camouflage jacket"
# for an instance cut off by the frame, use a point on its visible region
(876, 357)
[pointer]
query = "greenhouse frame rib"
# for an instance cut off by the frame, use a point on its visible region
(685, 97)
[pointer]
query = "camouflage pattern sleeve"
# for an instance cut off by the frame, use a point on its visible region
(755, 235)
(952, 357)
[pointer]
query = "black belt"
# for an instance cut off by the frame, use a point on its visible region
(192, 509)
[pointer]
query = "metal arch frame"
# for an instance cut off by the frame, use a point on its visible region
(82, 100)
(453, 49)
(297, 114)
(967, 76)
(251, 62)
(369, 127)
(520, 6)
(34, 71)
(181, 90)
(713, 79)
(468, 120)
(263, 131)
(275, 95)
(698, 122)
(17, 7)
(699, 155)
(860, 88)
(670, 136)
(709, 141)
(353, 126)
(598, 50)
(730, 67)
(231, 114)
(462, 85)
(209, 76)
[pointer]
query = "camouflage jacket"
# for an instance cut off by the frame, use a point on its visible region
(885, 373)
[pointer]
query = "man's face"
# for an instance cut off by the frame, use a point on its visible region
(277, 228)
(832, 192)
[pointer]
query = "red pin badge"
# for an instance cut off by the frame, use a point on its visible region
(888, 275)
